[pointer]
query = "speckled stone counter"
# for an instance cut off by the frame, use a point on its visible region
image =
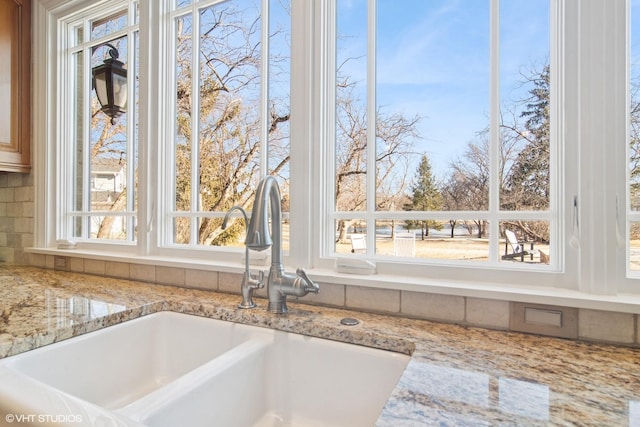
(456, 376)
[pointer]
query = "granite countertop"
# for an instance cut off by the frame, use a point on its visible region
(456, 376)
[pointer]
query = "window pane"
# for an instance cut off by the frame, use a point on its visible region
(433, 239)
(279, 92)
(220, 146)
(108, 156)
(103, 159)
(350, 236)
(525, 241)
(351, 106)
(524, 105)
(633, 184)
(634, 108)
(78, 161)
(181, 230)
(183, 125)
(104, 26)
(634, 246)
(432, 93)
(229, 114)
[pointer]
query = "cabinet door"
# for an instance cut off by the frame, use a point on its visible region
(15, 84)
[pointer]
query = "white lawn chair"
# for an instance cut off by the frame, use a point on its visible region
(404, 245)
(513, 248)
(358, 243)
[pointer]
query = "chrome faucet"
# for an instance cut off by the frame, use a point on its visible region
(249, 284)
(279, 283)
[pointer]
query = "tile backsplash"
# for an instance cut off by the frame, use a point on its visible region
(16, 216)
(592, 325)
(17, 213)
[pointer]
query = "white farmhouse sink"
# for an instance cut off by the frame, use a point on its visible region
(169, 369)
(117, 365)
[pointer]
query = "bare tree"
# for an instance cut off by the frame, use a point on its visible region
(395, 135)
(229, 132)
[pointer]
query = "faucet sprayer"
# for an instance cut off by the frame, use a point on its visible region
(249, 284)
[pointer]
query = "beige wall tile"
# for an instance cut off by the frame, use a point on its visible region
(373, 299)
(27, 240)
(37, 260)
(15, 210)
(142, 272)
(7, 254)
(23, 225)
(24, 194)
(7, 194)
(76, 264)
(606, 326)
(117, 269)
(95, 266)
(201, 279)
(448, 308)
(173, 276)
(29, 209)
(14, 179)
(230, 282)
(487, 312)
(50, 262)
(330, 294)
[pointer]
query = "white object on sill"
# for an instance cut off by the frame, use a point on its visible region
(355, 266)
(66, 244)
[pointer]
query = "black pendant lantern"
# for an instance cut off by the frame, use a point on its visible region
(110, 84)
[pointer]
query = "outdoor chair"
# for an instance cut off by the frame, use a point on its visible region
(358, 243)
(514, 249)
(404, 244)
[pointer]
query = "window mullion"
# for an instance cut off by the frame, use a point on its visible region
(131, 126)
(371, 128)
(494, 128)
(264, 90)
(86, 143)
(195, 124)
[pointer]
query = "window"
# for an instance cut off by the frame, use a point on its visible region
(445, 133)
(494, 130)
(227, 89)
(633, 156)
(98, 162)
(230, 101)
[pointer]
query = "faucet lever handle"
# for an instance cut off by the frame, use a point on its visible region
(257, 282)
(311, 286)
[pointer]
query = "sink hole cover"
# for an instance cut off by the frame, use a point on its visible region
(349, 321)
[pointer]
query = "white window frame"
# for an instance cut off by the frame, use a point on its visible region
(66, 158)
(500, 272)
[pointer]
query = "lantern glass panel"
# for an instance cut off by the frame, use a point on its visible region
(101, 88)
(120, 91)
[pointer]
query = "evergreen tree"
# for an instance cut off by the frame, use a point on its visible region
(531, 174)
(425, 196)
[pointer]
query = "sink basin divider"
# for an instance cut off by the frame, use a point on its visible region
(146, 406)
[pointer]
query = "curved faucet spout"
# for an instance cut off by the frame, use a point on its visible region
(259, 237)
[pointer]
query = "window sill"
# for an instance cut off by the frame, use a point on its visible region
(623, 303)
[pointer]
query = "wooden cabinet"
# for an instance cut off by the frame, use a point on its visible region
(15, 85)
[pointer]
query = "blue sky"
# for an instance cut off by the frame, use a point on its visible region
(433, 61)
